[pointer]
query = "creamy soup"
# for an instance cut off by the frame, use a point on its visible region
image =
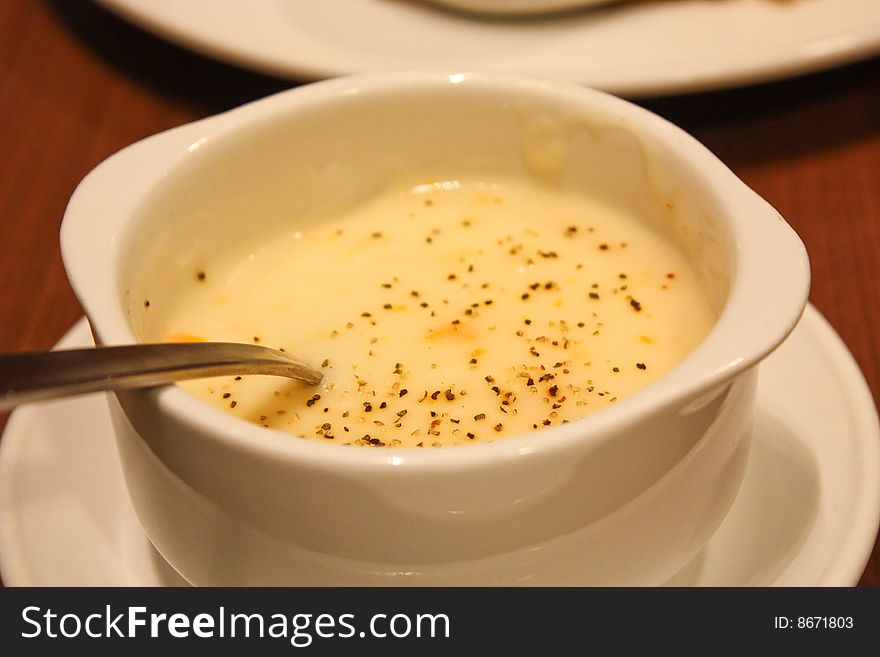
(449, 313)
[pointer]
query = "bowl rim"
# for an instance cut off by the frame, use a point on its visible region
(755, 319)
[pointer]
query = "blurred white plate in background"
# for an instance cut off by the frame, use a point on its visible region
(631, 47)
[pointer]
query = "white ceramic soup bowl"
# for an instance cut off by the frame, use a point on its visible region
(625, 496)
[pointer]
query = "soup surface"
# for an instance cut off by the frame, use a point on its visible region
(448, 313)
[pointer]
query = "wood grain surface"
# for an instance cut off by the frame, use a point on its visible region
(78, 84)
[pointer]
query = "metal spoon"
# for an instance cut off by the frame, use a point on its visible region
(36, 376)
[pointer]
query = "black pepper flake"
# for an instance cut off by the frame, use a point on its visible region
(367, 407)
(435, 394)
(311, 402)
(449, 395)
(527, 322)
(402, 392)
(615, 369)
(473, 361)
(200, 276)
(238, 378)
(386, 285)
(534, 286)
(603, 247)
(256, 338)
(233, 404)
(470, 435)
(326, 426)
(546, 423)
(480, 416)
(383, 405)
(455, 322)
(488, 302)
(530, 382)
(366, 314)
(553, 390)
(641, 366)
(147, 303)
(325, 362)
(594, 295)
(525, 296)
(499, 427)
(387, 306)
(496, 390)
(401, 413)
(227, 395)
(636, 305)
(423, 304)
(534, 352)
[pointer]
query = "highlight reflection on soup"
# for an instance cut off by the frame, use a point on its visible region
(449, 313)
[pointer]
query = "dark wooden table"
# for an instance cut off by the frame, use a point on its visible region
(77, 84)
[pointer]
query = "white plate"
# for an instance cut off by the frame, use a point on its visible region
(632, 48)
(807, 513)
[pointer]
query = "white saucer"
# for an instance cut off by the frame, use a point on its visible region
(807, 514)
(629, 48)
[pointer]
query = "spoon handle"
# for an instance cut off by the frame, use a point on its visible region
(35, 376)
